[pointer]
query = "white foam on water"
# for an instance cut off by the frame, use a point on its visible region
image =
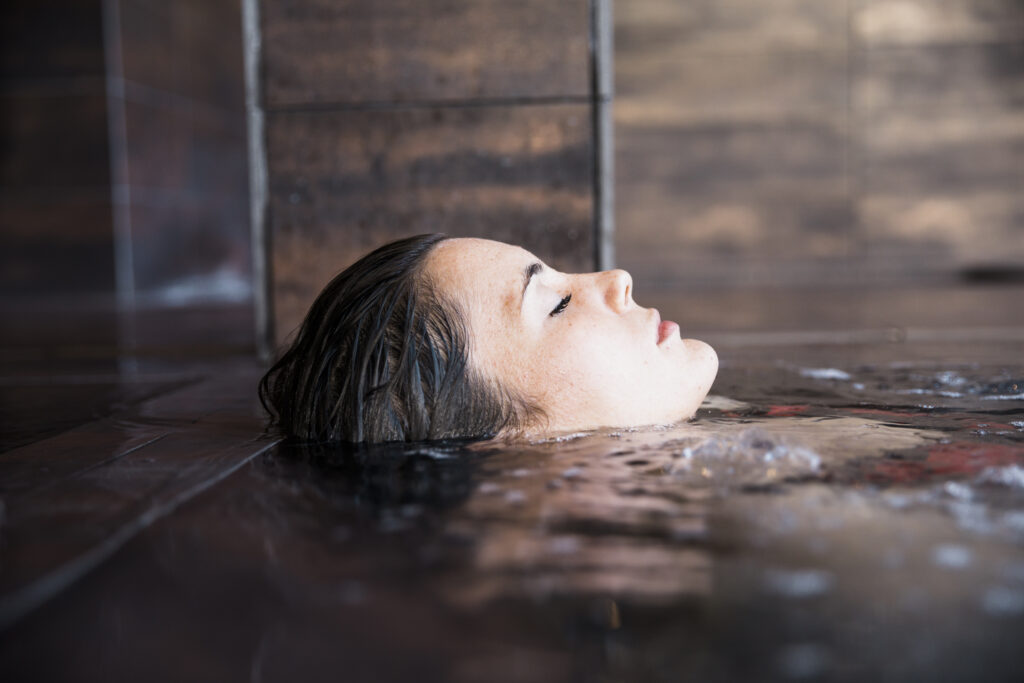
(930, 392)
(713, 402)
(952, 556)
(1004, 397)
(751, 457)
(1010, 475)
(515, 497)
(950, 378)
(1013, 521)
(824, 373)
(957, 490)
(1019, 424)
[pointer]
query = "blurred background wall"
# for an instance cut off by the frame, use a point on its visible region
(809, 144)
(385, 118)
(123, 182)
(828, 156)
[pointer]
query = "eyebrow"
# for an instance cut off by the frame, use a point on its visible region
(528, 274)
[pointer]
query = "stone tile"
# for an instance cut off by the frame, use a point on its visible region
(932, 22)
(185, 146)
(191, 250)
(51, 142)
(954, 230)
(677, 87)
(344, 182)
(691, 197)
(403, 50)
(729, 241)
(63, 244)
(51, 39)
(204, 39)
(649, 27)
(939, 139)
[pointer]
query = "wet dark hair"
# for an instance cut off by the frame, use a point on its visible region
(382, 356)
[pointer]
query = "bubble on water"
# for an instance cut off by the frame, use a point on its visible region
(824, 373)
(520, 472)
(562, 438)
(1010, 475)
(488, 487)
(1019, 424)
(1003, 601)
(951, 556)
(435, 453)
(572, 473)
(955, 489)
(799, 583)
(951, 378)
(970, 516)
(803, 660)
(930, 392)
(515, 497)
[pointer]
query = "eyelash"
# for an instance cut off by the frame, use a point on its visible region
(561, 305)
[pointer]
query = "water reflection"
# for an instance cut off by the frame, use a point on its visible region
(848, 519)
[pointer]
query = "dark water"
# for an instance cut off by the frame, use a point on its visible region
(862, 522)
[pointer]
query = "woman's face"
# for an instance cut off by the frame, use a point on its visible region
(576, 344)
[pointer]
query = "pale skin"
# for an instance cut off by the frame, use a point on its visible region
(575, 344)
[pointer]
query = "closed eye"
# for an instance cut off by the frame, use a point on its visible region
(561, 305)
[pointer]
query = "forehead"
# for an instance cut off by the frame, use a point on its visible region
(472, 268)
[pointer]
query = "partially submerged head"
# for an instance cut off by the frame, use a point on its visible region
(431, 338)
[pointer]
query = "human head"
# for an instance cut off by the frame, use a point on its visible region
(432, 337)
(381, 356)
(575, 345)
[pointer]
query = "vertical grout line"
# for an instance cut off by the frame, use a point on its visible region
(260, 237)
(850, 186)
(120, 185)
(601, 90)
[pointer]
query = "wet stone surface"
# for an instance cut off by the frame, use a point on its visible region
(861, 520)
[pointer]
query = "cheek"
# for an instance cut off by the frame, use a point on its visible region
(588, 364)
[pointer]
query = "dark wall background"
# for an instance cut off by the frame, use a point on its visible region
(815, 143)
(123, 181)
(386, 118)
(799, 145)
(55, 200)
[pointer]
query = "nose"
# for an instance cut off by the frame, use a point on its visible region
(618, 291)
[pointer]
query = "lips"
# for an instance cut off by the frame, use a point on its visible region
(666, 328)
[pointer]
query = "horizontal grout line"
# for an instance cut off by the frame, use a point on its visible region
(298, 107)
(27, 598)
